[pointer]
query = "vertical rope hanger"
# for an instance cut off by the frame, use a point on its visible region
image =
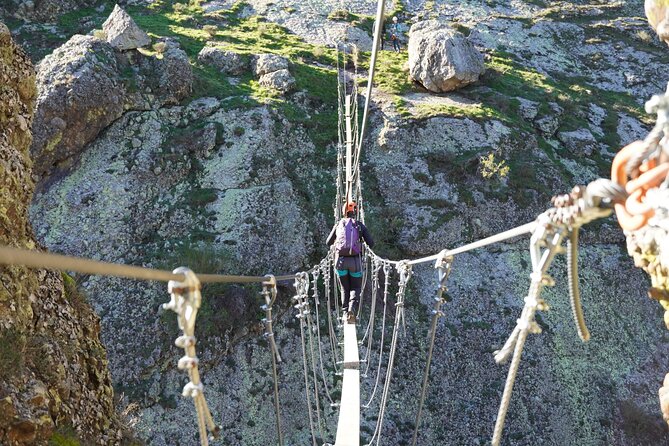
(302, 288)
(269, 292)
(185, 300)
(443, 266)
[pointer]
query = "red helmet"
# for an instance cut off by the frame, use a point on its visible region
(351, 206)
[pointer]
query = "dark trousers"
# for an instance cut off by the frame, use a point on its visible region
(396, 44)
(349, 271)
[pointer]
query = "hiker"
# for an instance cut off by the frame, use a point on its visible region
(347, 236)
(395, 34)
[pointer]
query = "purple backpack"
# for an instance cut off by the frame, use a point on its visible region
(347, 242)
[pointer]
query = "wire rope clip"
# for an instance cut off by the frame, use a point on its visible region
(185, 341)
(192, 390)
(188, 362)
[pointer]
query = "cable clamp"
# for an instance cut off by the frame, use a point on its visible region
(522, 324)
(188, 362)
(192, 390)
(185, 341)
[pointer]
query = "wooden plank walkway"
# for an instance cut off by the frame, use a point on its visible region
(348, 427)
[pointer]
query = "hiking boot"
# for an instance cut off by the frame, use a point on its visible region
(351, 317)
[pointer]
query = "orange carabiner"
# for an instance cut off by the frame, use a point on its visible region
(619, 165)
(627, 220)
(635, 204)
(649, 179)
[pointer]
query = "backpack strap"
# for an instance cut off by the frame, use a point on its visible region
(357, 226)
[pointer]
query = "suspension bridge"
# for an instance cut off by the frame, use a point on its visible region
(330, 343)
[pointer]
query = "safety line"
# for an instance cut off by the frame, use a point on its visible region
(515, 232)
(36, 259)
(375, 48)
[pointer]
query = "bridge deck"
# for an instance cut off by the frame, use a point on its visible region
(348, 428)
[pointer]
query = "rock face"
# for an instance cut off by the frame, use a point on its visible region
(280, 80)
(84, 87)
(227, 62)
(172, 73)
(267, 63)
(53, 369)
(442, 59)
(579, 142)
(122, 31)
(228, 185)
(272, 71)
(41, 10)
(72, 110)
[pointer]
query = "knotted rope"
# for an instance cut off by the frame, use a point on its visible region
(185, 299)
(569, 213)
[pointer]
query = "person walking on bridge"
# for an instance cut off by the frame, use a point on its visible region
(347, 236)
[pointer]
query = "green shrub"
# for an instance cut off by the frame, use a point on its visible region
(12, 352)
(202, 196)
(73, 292)
(64, 437)
(100, 34)
(210, 29)
(341, 15)
(160, 47)
(180, 8)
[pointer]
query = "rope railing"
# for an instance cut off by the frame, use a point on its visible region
(38, 259)
(502, 236)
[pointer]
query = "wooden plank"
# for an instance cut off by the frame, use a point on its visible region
(348, 428)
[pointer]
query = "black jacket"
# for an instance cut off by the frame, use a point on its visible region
(362, 230)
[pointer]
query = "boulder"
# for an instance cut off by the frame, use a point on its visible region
(528, 109)
(579, 142)
(359, 38)
(122, 31)
(173, 74)
(549, 122)
(227, 62)
(267, 63)
(280, 80)
(442, 59)
(82, 89)
(80, 93)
